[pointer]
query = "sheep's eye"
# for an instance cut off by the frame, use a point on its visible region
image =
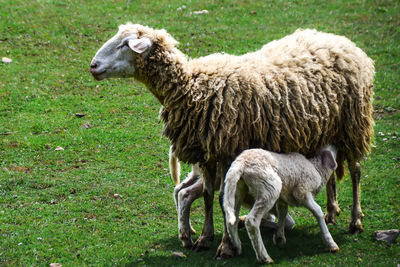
(124, 44)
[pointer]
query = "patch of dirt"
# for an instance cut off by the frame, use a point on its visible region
(20, 169)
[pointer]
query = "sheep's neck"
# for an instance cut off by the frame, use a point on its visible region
(166, 76)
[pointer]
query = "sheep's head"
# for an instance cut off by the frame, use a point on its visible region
(117, 57)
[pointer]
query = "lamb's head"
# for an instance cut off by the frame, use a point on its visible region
(118, 57)
(327, 157)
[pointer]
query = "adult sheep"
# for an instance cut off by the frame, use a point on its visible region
(296, 94)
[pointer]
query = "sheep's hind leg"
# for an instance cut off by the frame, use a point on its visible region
(356, 213)
(332, 206)
(209, 176)
(185, 199)
(316, 210)
(191, 178)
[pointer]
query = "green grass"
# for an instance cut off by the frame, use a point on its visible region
(59, 206)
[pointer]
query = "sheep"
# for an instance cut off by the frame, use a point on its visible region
(296, 94)
(270, 178)
(191, 189)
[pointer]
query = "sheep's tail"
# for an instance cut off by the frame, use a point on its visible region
(232, 177)
(174, 167)
(340, 171)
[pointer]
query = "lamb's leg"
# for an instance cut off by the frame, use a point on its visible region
(226, 248)
(279, 234)
(209, 176)
(233, 229)
(253, 220)
(356, 213)
(332, 206)
(268, 221)
(185, 199)
(319, 215)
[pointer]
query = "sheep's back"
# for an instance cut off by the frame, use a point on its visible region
(296, 94)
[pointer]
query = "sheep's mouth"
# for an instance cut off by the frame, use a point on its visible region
(97, 74)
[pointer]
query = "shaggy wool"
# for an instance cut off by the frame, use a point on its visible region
(296, 94)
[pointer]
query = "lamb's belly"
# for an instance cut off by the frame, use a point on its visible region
(290, 200)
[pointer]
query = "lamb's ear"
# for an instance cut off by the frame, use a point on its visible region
(140, 45)
(328, 159)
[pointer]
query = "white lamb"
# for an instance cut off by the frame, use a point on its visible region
(281, 179)
(191, 189)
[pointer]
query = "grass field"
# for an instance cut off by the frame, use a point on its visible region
(60, 206)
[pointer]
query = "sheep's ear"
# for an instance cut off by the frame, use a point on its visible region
(140, 45)
(328, 159)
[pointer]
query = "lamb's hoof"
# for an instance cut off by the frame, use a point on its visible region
(225, 251)
(356, 227)
(289, 222)
(266, 260)
(333, 249)
(279, 240)
(201, 244)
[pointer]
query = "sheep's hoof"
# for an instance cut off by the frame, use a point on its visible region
(187, 243)
(333, 212)
(242, 220)
(225, 251)
(185, 238)
(330, 218)
(201, 244)
(356, 227)
(192, 231)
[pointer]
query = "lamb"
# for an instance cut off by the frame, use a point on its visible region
(296, 94)
(191, 189)
(271, 178)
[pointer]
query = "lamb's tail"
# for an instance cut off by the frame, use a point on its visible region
(232, 177)
(174, 167)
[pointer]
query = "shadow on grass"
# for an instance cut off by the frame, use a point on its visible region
(303, 241)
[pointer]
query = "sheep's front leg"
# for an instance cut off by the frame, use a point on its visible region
(209, 176)
(356, 213)
(332, 206)
(319, 215)
(186, 197)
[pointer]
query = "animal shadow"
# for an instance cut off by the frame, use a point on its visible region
(301, 241)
